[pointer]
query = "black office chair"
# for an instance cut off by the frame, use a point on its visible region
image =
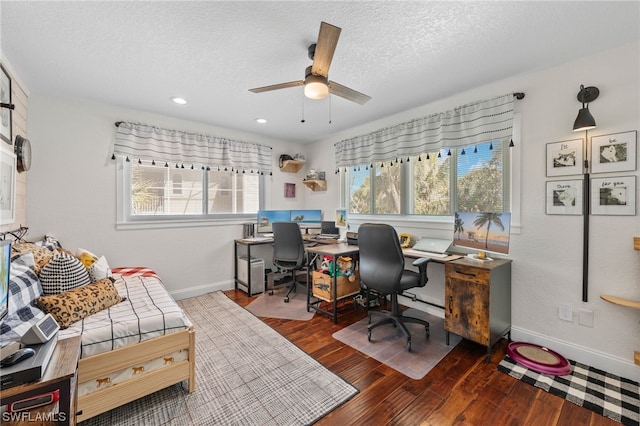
(382, 270)
(288, 251)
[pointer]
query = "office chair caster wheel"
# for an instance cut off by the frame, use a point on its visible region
(369, 335)
(286, 300)
(409, 346)
(426, 329)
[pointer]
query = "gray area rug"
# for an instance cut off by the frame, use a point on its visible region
(273, 306)
(388, 344)
(247, 374)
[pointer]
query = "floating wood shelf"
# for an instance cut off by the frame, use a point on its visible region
(316, 185)
(636, 243)
(621, 301)
(291, 166)
(628, 303)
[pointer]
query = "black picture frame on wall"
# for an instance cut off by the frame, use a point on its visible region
(5, 113)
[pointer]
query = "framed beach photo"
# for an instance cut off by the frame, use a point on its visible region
(5, 113)
(614, 153)
(565, 158)
(564, 197)
(613, 196)
(7, 185)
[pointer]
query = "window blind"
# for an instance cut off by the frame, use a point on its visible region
(474, 123)
(148, 143)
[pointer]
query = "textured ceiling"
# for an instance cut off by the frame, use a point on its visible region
(401, 53)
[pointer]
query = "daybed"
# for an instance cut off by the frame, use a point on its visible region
(142, 343)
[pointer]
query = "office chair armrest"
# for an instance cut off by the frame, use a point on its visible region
(422, 263)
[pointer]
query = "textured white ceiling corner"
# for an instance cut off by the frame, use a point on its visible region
(402, 53)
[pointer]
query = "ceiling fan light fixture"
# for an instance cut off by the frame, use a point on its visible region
(315, 87)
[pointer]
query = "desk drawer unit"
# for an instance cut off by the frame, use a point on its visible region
(478, 300)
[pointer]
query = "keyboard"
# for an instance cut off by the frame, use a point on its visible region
(328, 236)
(424, 253)
(257, 239)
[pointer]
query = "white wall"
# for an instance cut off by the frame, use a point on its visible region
(547, 252)
(71, 194)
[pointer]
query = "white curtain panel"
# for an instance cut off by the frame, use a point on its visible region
(471, 124)
(149, 143)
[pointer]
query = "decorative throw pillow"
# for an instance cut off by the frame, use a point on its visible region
(42, 255)
(86, 257)
(74, 305)
(63, 272)
(99, 269)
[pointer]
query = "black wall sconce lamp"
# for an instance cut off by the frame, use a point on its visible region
(584, 120)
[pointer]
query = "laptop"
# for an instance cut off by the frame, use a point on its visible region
(328, 230)
(433, 245)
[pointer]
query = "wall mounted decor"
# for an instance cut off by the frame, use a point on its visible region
(289, 190)
(613, 196)
(7, 185)
(5, 113)
(613, 153)
(565, 158)
(564, 197)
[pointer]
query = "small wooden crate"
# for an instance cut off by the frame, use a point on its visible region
(323, 286)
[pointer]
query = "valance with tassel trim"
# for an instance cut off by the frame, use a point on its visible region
(471, 124)
(144, 143)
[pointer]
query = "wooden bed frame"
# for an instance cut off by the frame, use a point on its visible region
(103, 364)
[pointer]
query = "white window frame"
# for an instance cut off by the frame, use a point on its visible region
(124, 220)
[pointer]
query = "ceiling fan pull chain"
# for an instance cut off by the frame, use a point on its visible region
(302, 104)
(329, 109)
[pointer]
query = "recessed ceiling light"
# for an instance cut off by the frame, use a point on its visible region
(261, 120)
(180, 101)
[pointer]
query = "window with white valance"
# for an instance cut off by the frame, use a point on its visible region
(471, 124)
(175, 177)
(152, 144)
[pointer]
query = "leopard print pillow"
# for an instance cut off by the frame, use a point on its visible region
(73, 305)
(42, 255)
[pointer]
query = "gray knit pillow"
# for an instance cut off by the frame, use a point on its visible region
(63, 272)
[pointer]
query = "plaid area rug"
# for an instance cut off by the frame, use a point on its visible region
(246, 374)
(606, 394)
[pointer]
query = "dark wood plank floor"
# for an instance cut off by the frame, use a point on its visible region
(463, 389)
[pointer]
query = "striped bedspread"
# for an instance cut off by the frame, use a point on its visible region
(149, 311)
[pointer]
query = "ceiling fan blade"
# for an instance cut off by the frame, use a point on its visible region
(277, 86)
(347, 93)
(325, 47)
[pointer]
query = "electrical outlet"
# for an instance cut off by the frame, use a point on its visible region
(565, 313)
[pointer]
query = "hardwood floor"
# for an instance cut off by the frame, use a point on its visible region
(463, 389)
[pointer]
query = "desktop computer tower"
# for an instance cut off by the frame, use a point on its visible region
(255, 267)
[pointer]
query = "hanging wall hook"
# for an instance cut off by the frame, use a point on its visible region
(9, 106)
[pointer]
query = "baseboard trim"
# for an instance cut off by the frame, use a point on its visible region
(611, 364)
(185, 293)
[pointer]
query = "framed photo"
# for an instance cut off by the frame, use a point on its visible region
(564, 197)
(5, 113)
(289, 190)
(322, 175)
(613, 196)
(341, 217)
(614, 153)
(565, 158)
(7, 185)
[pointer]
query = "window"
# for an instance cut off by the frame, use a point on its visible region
(434, 184)
(156, 191)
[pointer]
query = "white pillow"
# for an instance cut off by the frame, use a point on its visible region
(99, 269)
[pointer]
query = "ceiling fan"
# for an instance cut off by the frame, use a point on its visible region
(316, 82)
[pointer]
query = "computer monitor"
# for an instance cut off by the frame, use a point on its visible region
(306, 218)
(267, 217)
(327, 227)
(5, 265)
(483, 231)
